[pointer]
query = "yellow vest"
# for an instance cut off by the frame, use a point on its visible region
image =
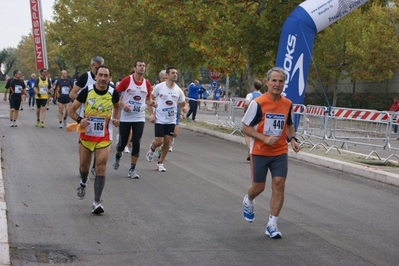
(43, 89)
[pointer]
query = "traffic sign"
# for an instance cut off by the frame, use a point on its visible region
(214, 75)
(214, 84)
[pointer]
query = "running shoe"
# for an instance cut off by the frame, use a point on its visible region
(64, 121)
(60, 125)
(132, 174)
(150, 154)
(81, 192)
(160, 167)
(42, 124)
(37, 123)
(116, 162)
(97, 208)
(272, 231)
(47, 107)
(126, 150)
(248, 210)
(170, 149)
(93, 171)
(11, 124)
(159, 153)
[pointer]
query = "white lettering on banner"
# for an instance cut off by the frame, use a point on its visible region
(288, 62)
(37, 34)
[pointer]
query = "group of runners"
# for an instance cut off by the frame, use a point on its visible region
(98, 106)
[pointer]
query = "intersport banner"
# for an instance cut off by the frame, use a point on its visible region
(297, 38)
(39, 41)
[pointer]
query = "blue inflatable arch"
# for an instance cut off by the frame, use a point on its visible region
(297, 38)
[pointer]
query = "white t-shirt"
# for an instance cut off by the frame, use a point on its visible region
(167, 100)
(135, 96)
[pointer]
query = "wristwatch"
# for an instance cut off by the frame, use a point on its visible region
(293, 137)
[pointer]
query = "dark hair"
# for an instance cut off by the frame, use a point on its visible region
(15, 72)
(138, 61)
(43, 69)
(257, 84)
(169, 68)
(104, 66)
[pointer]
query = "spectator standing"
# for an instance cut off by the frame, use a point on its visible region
(193, 95)
(31, 91)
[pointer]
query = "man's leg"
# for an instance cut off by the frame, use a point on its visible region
(195, 106)
(101, 156)
(277, 198)
(124, 130)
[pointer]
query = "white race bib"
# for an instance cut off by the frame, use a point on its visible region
(65, 90)
(274, 124)
(18, 89)
(43, 90)
(96, 128)
(135, 106)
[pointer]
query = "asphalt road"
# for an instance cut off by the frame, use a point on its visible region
(189, 215)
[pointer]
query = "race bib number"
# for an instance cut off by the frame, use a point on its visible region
(43, 90)
(18, 89)
(96, 128)
(274, 124)
(169, 113)
(65, 90)
(136, 106)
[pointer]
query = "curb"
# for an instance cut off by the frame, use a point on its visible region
(363, 171)
(4, 245)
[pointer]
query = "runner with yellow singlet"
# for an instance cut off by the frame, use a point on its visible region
(42, 88)
(101, 111)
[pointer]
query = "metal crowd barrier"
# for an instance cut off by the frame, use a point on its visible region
(330, 128)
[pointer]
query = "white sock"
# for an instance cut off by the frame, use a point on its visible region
(251, 202)
(272, 219)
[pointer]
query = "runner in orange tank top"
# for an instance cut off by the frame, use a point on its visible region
(269, 123)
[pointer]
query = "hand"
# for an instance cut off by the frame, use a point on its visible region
(127, 108)
(5, 98)
(272, 140)
(39, 95)
(152, 118)
(115, 122)
(295, 145)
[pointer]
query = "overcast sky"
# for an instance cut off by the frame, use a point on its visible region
(15, 24)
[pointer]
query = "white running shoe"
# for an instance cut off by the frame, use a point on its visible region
(126, 150)
(150, 154)
(60, 125)
(272, 231)
(160, 167)
(170, 149)
(132, 174)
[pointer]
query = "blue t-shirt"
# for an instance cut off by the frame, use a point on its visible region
(31, 85)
